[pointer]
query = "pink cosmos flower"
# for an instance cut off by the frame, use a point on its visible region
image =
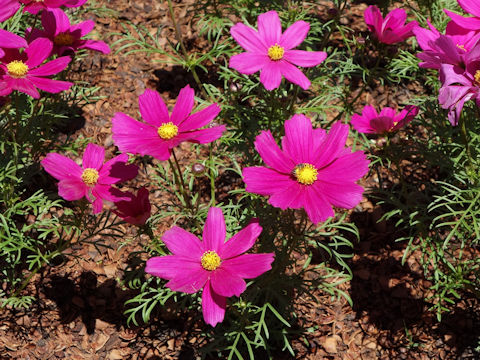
(390, 30)
(136, 210)
(67, 38)
(22, 71)
(313, 171)
(10, 41)
(370, 122)
(460, 85)
(93, 179)
(8, 9)
(471, 7)
(217, 266)
(445, 49)
(34, 6)
(272, 52)
(162, 132)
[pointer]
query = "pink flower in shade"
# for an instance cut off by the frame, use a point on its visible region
(450, 48)
(67, 38)
(471, 7)
(8, 9)
(136, 210)
(313, 171)
(460, 85)
(22, 71)
(34, 6)
(162, 132)
(94, 179)
(217, 266)
(10, 41)
(392, 29)
(271, 52)
(370, 122)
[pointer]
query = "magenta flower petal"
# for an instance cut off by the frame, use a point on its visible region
(51, 68)
(184, 105)
(305, 58)
(293, 74)
(71, 189)
(392, 29)
(129, 134)
(191, 279)
(333, 145)
(84, 28)
(214, 231)
(298, 140)
(38, 51)
(11, 41)
(226, 283)
(183, 243)
(248, 63)
(470, 6)
(200, 118)
(271, 154)
(241, 241)
(317, 206)
(49, 85)
(294, 35)
(271, 76)
(470, 23)
(137, 209)
(93, 157)
(270, 27)
(61, 167)
(202, 136)
(96, 45)
(345, 195)
(248, 38)
(254, 178)
(23, 85)
(167, 267)
(249, 266)
(115, 170)
(213, 306)
(153, 108)
(292, 197)
(8, 9)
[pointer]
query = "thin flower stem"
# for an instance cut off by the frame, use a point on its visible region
(180, 182)
(212, 177)
(186, 57)
(463, 131)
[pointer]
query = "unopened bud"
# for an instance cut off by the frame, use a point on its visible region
(361, 40)
(198, 169)
(332, 12)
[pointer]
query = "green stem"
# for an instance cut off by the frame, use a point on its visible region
(212, 177)
(178, 35)
(180, 182)
(463, 131)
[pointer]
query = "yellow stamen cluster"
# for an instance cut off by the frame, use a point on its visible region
(63, 39)
(477, 78)
(17, 69)
(276, 52)
(305, 174)
(210, 260)
(90, 176)
(168, 131)
(461, 47)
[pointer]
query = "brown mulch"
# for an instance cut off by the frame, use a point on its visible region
(80, 303)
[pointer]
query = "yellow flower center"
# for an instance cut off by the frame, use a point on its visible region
(90, 176)
(17, 69)
(306, 174)
(167, 131)
(63, 39)
(210, 260)
(275, 52)
(477, 78)
(461, 47)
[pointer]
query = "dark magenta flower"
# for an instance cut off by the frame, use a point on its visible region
(272, 52)
(24, 72)
(314, 170)
(67, 38)
(371, 122)
(136, 210)
(217, 266)
(94, 179)
(392, 29)
(162, 132)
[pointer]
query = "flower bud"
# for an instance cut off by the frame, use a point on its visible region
(198, 169)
